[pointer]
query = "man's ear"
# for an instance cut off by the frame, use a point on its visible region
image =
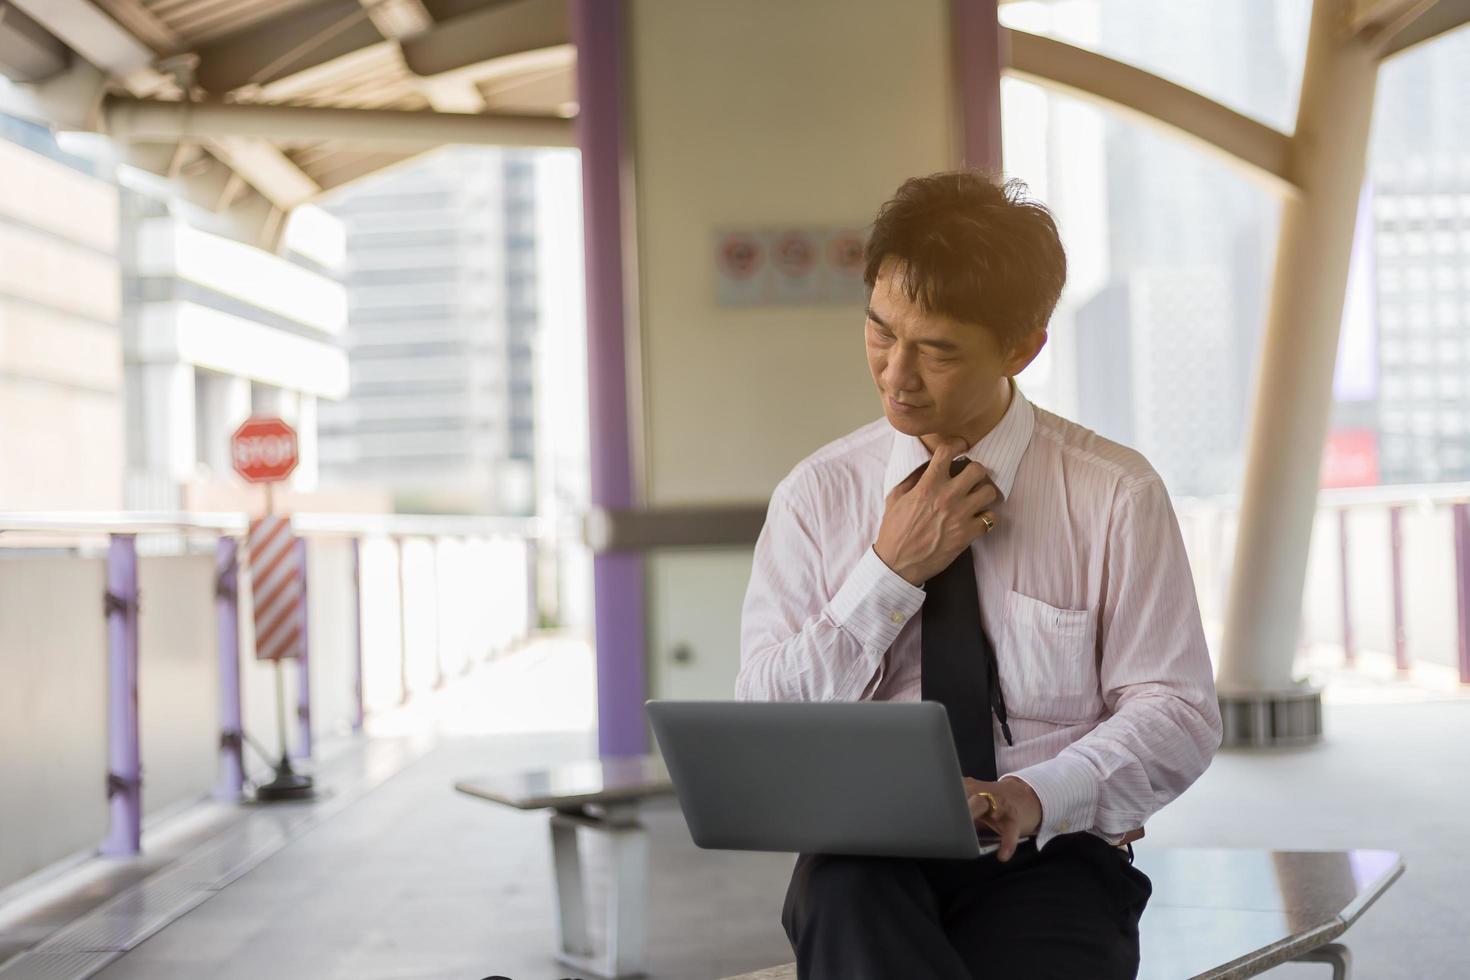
(1024, 352)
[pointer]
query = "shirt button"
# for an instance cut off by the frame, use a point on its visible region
(896, 617)
(1063, 826)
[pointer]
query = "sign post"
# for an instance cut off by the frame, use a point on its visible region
(264, 450)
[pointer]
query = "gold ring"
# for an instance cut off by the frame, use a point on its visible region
(989, 524)
(990, 799)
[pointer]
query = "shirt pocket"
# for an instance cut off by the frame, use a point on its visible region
(1051, 671)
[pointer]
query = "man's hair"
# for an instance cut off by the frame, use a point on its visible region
(974, 249)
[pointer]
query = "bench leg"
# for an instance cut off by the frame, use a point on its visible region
(623, 945)
(571, 901)
(1334, 953)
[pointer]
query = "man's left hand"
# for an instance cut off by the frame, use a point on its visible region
(1017, 812)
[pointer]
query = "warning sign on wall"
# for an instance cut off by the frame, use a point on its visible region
(743, 274)
(796, 255)
(844, 252)
(766, 266)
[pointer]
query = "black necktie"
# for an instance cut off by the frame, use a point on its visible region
(958, 663)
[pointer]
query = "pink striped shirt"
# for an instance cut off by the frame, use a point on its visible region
(1085, 593)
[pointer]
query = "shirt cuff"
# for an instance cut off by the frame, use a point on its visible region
(874, 603)
(1067, 788)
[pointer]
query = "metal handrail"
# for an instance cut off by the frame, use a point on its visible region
(235, 524)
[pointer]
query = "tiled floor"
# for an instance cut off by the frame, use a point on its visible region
(414, 881)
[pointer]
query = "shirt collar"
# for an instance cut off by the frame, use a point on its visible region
(999, 451)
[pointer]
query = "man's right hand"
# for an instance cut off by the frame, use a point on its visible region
(931, 517)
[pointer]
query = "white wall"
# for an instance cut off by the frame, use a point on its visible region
(61, 379)
(755, 114)
(53, 711)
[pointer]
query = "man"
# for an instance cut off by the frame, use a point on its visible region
(973, 549)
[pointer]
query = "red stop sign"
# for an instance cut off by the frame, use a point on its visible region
(264, 450)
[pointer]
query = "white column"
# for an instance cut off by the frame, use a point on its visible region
(226, 404)
(168, 421)
(1293, 397)
(308, 446)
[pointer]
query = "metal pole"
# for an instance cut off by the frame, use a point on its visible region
(303, 659)
(1396, 558)
(231, 784)
(357, 706)
(597, 31)
(124, 760)
(402, 621)
(438, 610)
(1349, 650)
(975, 29)
(1462, 585)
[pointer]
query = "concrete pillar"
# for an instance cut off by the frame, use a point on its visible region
(168, 420)
(1293, 398)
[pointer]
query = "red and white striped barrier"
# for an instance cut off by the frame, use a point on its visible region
(278, 587)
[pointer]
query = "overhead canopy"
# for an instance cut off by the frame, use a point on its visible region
(255, 107)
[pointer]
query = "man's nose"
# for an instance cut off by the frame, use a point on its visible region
(899, 373)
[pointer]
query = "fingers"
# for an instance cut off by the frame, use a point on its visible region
(944, 453)
(1010, 838)
(985, 522)
(994, 817)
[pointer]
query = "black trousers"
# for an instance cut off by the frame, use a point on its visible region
(1068, 911)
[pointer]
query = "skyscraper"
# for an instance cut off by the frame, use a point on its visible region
(441, 275)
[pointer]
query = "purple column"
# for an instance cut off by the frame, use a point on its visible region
(1396, 567)
(357, 709)
(1349, 650)
(303, 661)
(1462, 585)
(976, 54)
(124, 762)
(231, 784)
(617, 579)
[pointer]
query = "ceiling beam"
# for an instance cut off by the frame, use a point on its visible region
(267, 169)
(1248, 145)
(99, 39)
(156, 121)
(396, 19)
(143, 24)
(283, 46)
(1425, 22)
(69, 100)
(28, 52)
(494, 32)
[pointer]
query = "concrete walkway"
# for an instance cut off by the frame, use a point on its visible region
(414, 881)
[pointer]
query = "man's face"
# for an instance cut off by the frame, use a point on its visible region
(936, 375)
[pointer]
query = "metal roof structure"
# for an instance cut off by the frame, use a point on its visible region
(254, 107)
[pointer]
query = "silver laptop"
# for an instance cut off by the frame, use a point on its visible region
(872, 778)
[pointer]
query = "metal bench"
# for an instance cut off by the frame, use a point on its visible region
(1225, 914)
(601, 797)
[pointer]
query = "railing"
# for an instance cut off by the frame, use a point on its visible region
(1389, 570)
(396, 605)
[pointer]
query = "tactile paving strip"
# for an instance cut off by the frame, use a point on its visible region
(56, 966)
